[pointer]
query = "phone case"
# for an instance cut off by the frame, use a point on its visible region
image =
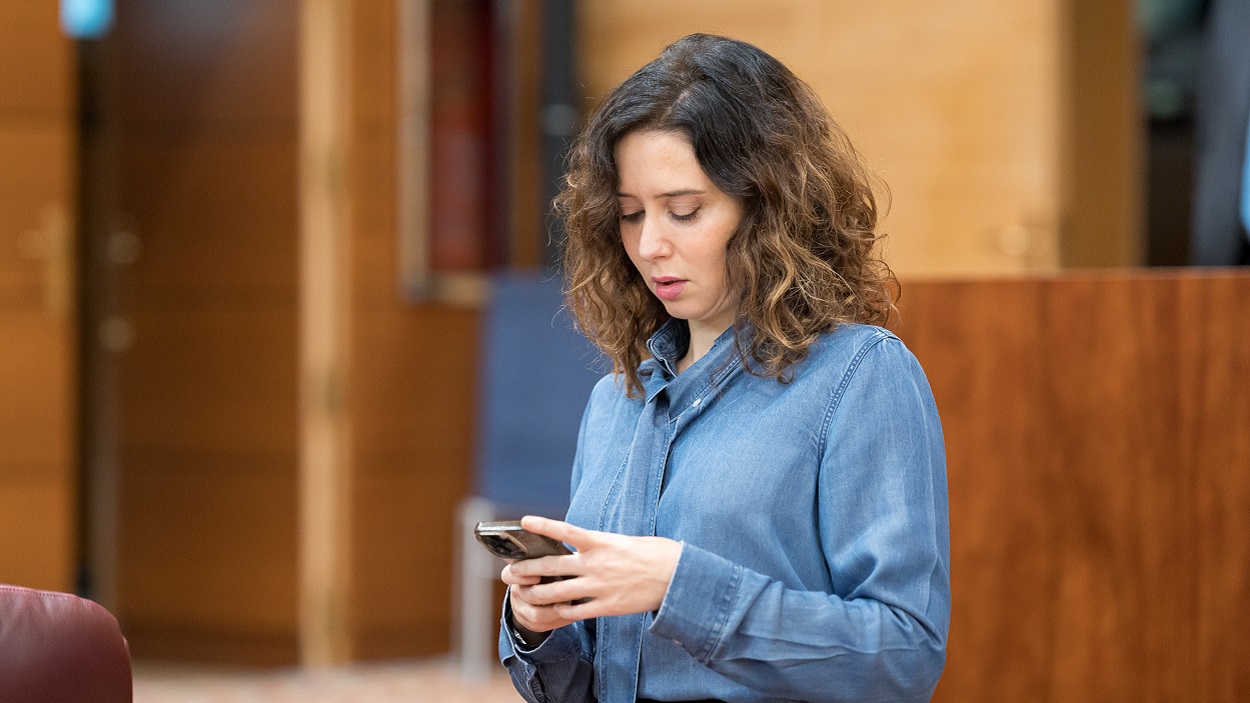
(509, 540)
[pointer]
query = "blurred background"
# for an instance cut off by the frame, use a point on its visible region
(246, 247)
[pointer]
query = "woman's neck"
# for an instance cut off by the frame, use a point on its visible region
(701, 341)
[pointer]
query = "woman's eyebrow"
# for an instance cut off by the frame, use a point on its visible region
(670, 194)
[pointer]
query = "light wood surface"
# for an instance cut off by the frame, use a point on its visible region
(1099, 473)
(325, 581)
(965, 109)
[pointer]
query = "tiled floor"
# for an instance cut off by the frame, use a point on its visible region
(418, 681)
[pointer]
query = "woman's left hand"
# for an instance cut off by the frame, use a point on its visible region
(617, 574)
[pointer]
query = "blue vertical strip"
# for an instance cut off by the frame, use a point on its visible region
(1245, 184)
(86, 19)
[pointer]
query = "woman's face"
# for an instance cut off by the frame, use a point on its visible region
(675, 225)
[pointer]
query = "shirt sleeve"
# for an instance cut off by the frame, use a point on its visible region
(560, 670)
(881, 634)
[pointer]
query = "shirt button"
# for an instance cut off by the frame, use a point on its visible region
(696, 402)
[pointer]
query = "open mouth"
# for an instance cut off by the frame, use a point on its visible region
(668, 287)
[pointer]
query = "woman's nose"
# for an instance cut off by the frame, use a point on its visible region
(653, 241)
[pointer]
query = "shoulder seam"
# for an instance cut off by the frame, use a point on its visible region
(879, 336)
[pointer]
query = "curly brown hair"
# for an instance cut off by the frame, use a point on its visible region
(803, 257)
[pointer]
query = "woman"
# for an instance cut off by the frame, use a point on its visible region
(758, 508)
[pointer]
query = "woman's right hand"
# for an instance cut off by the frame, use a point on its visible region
(608, 574)
(533, 622)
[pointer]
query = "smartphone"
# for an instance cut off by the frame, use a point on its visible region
(509, 540)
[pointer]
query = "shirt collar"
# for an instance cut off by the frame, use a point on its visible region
(668, 344)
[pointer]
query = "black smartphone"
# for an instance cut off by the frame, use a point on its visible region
(509, 540)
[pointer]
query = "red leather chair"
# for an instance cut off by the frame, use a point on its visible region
(59, 648)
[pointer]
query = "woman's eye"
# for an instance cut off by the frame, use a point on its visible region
(685, 217)
(631, 216)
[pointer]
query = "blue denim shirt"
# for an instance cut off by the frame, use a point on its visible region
(813, 522)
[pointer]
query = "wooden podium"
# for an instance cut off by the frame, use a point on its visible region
(1098, 439)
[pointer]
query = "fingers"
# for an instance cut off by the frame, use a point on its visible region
(536, 618)
(544, 566)
(558, 529)
(574, 611)
(541, 608)
(552, 592)
(609, 574)
(511, 577)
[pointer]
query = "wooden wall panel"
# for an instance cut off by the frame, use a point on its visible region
(207, 393)
(35, 429)
(36, 63)
(1125, 509)
(217, 214)
(38, 477)
(1003, 545)
(1104, 138)
(36, 166)
(1007, 132)
(213, 559)
(215, 381)
(1099, 470)
(1220, 447)
(411, 379)
(413, 408)
(38, 511)
(957, 105)
(525, 227)
(38, 331)
(218, 557)
(216, 65)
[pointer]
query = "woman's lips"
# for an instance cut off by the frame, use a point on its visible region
(668, 288)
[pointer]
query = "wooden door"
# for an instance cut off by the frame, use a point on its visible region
(38, 385)
(207, 392)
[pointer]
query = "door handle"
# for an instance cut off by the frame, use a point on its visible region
(50, 244)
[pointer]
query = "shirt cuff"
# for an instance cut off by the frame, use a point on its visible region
(696, 607)
(560, 643)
